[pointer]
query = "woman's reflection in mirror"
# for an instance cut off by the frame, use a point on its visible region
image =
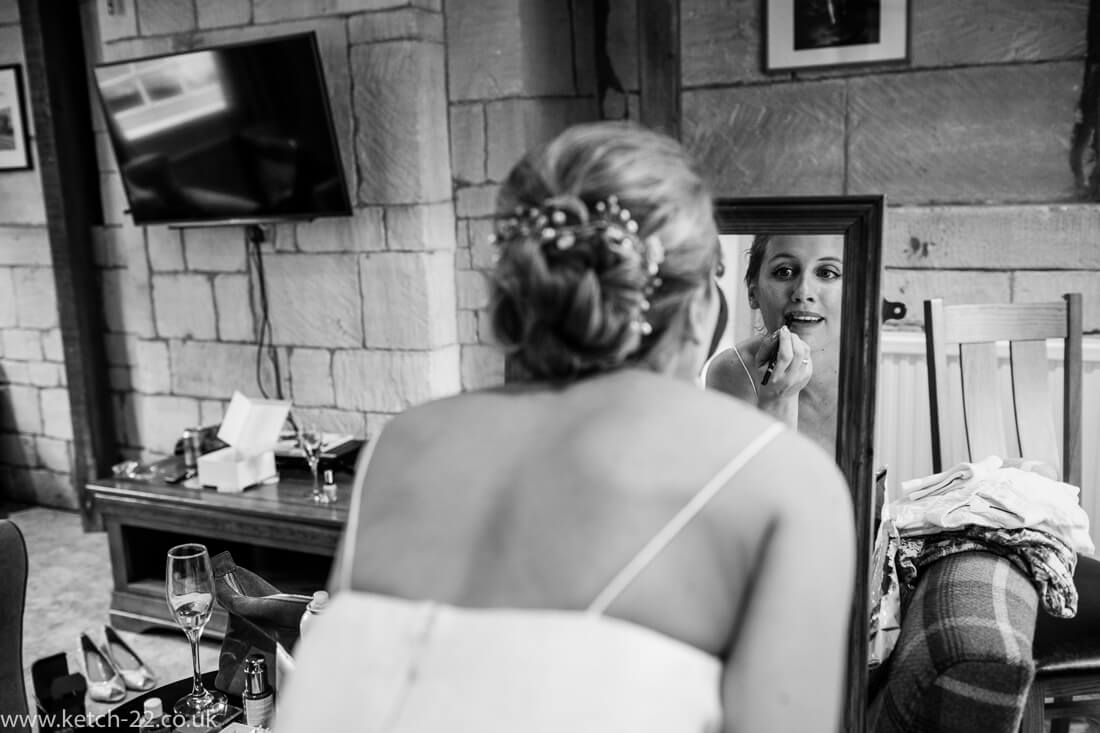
(790, 368)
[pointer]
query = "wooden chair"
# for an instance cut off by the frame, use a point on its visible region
(1069, 665)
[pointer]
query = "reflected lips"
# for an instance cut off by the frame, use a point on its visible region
(802, 317)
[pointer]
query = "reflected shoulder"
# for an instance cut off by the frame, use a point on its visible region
(728, 371)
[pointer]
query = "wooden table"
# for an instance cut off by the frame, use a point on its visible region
(274, 530)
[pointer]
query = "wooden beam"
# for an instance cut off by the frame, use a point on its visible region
(57, 76)
(659, 65)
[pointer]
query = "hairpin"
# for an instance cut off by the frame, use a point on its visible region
(608, 220)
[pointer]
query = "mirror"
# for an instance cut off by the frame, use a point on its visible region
(859, 221)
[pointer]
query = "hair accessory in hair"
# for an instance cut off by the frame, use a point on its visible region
(561, 227)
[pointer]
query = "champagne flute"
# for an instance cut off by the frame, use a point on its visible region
(189, 586)
(310, 439)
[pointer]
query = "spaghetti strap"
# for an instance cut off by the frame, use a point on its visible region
(667, 533)
(747, 372)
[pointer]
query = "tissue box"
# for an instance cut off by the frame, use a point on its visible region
(228, 470)
(251, 428)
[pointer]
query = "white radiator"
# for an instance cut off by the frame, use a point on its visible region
(903, 437)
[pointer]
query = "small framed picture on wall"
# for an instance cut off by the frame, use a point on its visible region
(14, 139)
(807, 34)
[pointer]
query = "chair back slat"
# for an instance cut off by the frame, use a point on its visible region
(970, 324)
(985, 432)
(1031, 396)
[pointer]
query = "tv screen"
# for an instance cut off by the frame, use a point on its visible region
(232, 134)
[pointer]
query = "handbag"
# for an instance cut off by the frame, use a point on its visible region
(260, 616)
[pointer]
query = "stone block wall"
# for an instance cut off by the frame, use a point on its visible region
(520, 71)
(969, 140)
(36, 430)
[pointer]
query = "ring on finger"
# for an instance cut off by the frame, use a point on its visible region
(805, 361)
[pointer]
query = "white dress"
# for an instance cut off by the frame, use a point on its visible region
(382, 664)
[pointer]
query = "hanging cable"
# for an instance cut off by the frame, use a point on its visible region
(265, 345)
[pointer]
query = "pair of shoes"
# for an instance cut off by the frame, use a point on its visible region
(113, 667)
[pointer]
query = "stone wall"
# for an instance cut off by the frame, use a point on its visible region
(36, 429)
(519, 73)
(969, 140)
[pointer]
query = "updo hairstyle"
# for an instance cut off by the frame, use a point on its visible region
(569, 311)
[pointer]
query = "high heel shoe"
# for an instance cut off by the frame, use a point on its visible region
(129, 665)
(105, 684)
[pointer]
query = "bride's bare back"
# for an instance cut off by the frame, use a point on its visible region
(542, 495)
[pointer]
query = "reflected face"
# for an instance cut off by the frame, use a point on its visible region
(800, 283)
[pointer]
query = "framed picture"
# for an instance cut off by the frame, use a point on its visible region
(14, 139)
(806, 34)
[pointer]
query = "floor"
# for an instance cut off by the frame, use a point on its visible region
(68, 591)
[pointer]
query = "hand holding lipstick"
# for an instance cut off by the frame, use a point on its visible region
(785, 359)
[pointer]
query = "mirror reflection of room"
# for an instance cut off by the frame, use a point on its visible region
(310, 230)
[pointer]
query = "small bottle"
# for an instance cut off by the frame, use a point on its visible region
(192, 448)
(153, 719)
(258, 697)
(328, 489)
(315, 607)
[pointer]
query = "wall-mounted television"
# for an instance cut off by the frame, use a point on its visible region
(232, 134)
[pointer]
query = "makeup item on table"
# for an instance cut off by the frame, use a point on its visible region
(258, 697)
(192, 440)
(328, 488)
(153, 719)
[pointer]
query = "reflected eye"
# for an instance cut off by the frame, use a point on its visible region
(829, 273)
(783, 272)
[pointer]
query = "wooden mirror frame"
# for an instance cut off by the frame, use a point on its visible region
(860, 220)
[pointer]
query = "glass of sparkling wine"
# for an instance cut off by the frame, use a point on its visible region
(310, 439)
(189, 586)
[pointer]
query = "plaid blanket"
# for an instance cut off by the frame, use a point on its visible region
(1044, 558)
(963, 660)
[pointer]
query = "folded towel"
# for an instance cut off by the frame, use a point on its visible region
(938, 483)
